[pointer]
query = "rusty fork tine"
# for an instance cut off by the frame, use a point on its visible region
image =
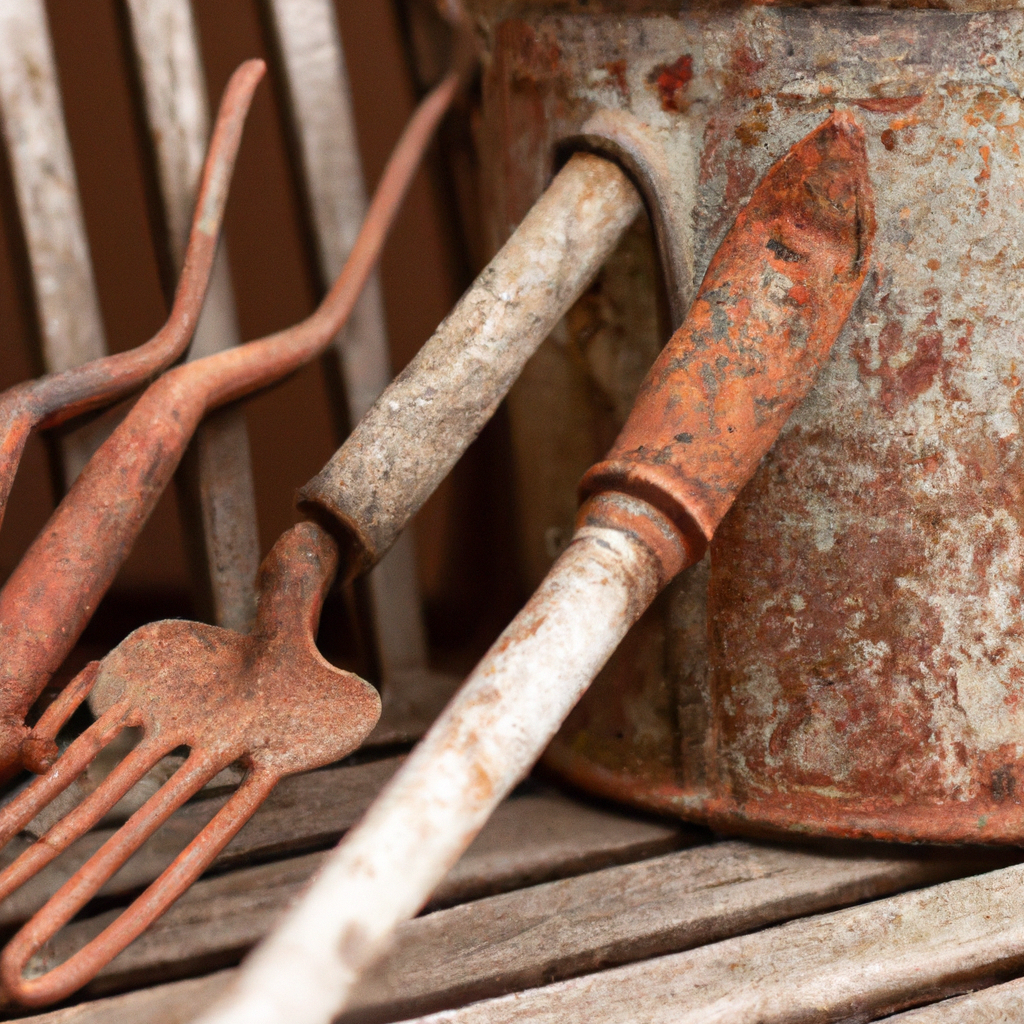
(39, 749)
(87, 881)
(16, 814)
(58, 397)
(78, 821)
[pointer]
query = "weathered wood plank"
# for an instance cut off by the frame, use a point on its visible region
(323, 128)
(848, 965)
(305, 812)
(217, 472)
(46, 190)
(999, 1004)
(568, 927)
(531, 838)
(563, 929)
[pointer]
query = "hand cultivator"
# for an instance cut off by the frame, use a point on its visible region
(772, 303)
(50, 597)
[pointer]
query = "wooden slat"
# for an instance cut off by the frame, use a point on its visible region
(305, 812)
(46, 189)
(531, 837)
(1000, 1004)
(318, 98)
(853, 964)
(217, 472)
(572, 926)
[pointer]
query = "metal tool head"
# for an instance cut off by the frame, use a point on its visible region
(267, 700)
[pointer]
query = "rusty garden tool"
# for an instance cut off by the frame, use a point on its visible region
(51, 595)
(451, 388)
(773, 301)
(59, 397)
(266, 699)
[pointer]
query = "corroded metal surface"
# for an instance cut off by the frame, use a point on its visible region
(853, 664)
(266, 699)
(51, 595)
(624, 551)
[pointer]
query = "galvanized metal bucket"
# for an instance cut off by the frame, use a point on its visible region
(850, 659)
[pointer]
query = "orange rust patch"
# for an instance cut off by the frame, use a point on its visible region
(672, 80)
(888, 104)
(617, 73)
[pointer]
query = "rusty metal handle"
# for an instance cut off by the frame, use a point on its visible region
(722, 388)
(58, 397)
(52, 593)
(427, 417)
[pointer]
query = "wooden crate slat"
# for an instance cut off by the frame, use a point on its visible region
(528, 936)
(1000, 1004)
(46, 190)
(530, 837)
(217, 472)
(320, 107)
(852, 964)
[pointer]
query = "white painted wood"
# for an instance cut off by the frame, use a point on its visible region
(317, 88)
(46, 190)
(218, 473)
(487, 738)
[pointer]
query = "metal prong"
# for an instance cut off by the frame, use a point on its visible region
(83, 885)
(31, 800)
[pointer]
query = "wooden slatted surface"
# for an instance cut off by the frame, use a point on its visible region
(311, 67)
(862, 961)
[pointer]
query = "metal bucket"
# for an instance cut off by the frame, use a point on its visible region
(850, 659)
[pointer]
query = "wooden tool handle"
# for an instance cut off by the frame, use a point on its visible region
(427, 417)
(772, 303)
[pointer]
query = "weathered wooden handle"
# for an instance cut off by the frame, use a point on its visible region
(427, 417)
(772, 303)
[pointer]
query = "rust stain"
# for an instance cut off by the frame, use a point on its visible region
(671, 81)
(888, 104)
(986, 159)
(266, 699)
(769, 308)
(617, 73)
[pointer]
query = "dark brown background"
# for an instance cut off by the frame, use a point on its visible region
(466, 556)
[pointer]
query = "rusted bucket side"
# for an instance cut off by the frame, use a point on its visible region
(860, 669)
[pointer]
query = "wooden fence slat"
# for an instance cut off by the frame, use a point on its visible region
(852, 964)
(535, 836)
(46, 190)
(220, 505)
(319, 101)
